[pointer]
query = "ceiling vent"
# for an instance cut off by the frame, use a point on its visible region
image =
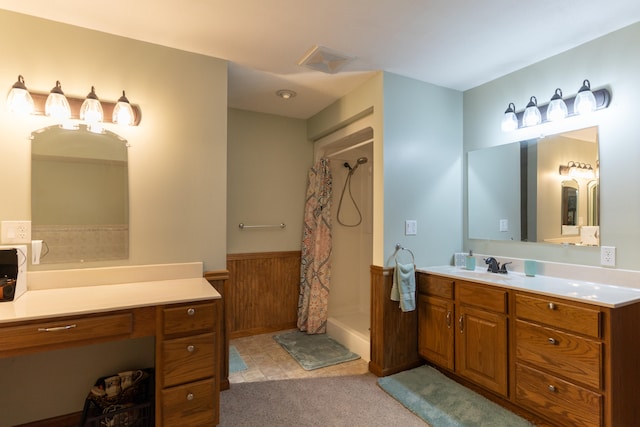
(328, 61)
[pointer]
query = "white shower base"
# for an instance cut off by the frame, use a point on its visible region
(352, 331)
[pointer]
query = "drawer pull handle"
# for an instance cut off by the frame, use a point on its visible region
(191, 348)
(551, 306)
(191, 311)
(57, 328)
(461, 323)
(448, 319)
(552, 341)
(552, 388)
(190, 396)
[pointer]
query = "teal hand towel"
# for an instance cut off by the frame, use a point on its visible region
(404, 286)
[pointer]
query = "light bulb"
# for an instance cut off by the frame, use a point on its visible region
(19, 99)
(532, 114)
(510, 120)
(557, 108)
(57, 105)
(122, 112)
(585, 101)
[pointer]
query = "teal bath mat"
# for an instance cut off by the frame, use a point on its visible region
(236, 364)
(442, 402)
(314, 351)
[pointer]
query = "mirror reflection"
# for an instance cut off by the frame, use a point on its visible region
(540, 190)
(79, 195)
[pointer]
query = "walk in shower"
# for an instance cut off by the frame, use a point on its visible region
(351, 162)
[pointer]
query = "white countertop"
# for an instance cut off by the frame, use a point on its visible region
(71, 301)
(577, 290)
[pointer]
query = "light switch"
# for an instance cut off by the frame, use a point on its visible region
(504, 225)
(410, 227)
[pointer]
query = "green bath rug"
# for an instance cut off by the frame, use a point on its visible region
(442, 402)
(314, 351)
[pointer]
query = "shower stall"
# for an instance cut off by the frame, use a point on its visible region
(349, 311)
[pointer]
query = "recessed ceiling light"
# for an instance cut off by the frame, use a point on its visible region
(286, 93)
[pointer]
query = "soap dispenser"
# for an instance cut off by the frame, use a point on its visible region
(470, 261)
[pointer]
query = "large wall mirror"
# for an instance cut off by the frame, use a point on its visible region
(540, 190)
(79, 195)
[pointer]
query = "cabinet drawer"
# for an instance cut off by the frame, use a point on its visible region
(435, 286)
(571, 356)
(188, 359)
(66, 331)
(194, 404)
(563, 315)
(189, 318)
(562, 402)
(480, 296)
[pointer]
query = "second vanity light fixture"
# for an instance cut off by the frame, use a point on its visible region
(584, 102)
(55, 104)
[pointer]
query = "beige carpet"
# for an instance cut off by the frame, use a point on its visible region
(350, 401)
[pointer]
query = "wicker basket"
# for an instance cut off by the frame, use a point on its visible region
(132, 407)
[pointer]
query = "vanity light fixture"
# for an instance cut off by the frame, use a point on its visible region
(57, 105)
(122, 112)
(557, 108)
(19, 99)
(583, 102)
(90, 109)
(510, 120)
(577, 170)
(532, 114)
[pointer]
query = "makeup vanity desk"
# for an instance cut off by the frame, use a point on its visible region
(173, 303)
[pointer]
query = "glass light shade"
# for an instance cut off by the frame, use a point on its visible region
(91, 109)
(585, 101)
(532, 114)
(19, 99)
(510, 120)
(122, 112)
(57, 105)
(557, 108)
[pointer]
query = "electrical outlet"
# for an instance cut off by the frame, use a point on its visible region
(15, 232)
(608, 256)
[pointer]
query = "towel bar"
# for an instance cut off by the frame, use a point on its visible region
(400, 248)
(243, 226)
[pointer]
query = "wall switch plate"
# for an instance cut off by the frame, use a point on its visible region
(504, 225)
(410, 227)
(15, 232)
(608, 256)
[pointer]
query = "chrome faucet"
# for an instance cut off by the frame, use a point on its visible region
(494, 266)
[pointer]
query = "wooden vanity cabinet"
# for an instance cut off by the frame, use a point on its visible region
(566, 362)
(462, 327)
(187, 363)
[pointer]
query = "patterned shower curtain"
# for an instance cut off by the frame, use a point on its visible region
(315, 269)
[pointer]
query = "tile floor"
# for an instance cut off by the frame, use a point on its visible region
(267, 360)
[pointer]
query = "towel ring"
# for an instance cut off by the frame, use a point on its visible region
(400, 248)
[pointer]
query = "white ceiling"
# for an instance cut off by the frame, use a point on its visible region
(458, 44)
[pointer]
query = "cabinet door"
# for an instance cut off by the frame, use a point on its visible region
(435, 330)
(481, 348)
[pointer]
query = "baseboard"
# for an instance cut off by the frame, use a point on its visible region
(68, 420)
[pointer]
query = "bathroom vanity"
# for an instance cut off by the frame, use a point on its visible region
(563, 350)
(172, 303)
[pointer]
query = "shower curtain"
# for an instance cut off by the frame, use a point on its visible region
(315, 268)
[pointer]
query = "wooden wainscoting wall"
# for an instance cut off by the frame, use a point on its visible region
(394, 333)
(218, 280)
(262, 292)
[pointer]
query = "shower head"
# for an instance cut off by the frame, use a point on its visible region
(360, 161)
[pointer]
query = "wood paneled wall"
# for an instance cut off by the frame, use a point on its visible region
(262, 292)
(394, 333)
